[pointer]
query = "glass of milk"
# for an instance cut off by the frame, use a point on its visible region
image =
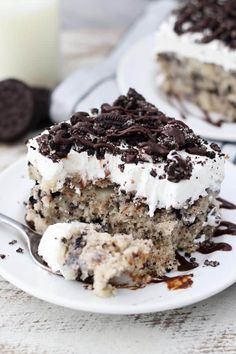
(29, 41)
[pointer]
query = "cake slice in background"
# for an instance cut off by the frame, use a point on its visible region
(131, 170)
(196, 50)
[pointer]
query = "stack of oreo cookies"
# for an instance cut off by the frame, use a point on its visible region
(22, 109)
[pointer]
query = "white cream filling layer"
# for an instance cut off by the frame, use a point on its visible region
(207, 174)
(185, 45)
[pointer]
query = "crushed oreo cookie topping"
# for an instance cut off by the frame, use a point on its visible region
(215, 19)
(178, 168)
(153, 173)
(122, 167)
(130, 127)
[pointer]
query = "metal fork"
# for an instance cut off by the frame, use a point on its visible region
(32, 239)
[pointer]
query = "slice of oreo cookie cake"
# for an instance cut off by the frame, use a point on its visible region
(128, 169)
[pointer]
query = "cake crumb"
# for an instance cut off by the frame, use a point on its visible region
(153, 173)
(211, 263)
(122, 167)
(13, 242)
(20, 250)
(2, 256)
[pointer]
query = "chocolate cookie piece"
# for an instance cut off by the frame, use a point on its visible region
(16, 109)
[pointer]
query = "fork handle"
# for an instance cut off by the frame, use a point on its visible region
(13, 223)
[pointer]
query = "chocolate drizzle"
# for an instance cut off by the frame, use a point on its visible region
(225, 228)
(224, 204)
(207, 247)
(218, 123)
(178, 168)
(215, 19)
(184, 264)
(132, 128)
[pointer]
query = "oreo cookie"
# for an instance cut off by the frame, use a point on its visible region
(16, 109)
(41, 118)
(22, 109)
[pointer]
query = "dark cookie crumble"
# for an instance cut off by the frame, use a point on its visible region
(215, 19)
(20, 250)
(211, 263)
(80, 241)
(13, 242)
(153, 173)
(130, 127)
(122, 167)
(178, 168)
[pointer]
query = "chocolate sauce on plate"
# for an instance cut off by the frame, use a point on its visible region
(184, 264)
(217, 123)
(225, 204)
(225, 228)
(210, 247)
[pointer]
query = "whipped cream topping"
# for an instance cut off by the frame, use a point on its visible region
(147, 181)
(186, 45)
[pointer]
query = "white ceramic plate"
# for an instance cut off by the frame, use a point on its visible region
(139, 70)
(20, 270)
